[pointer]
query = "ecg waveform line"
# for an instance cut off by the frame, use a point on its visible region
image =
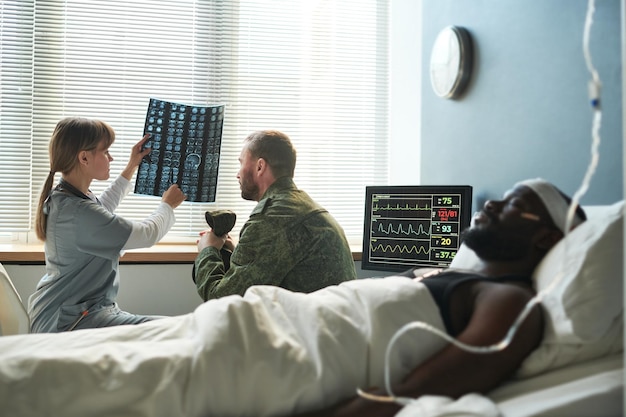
(395, 248)
(398, 207)
(389, 229)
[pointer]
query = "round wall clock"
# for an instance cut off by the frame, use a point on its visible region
(451, 62)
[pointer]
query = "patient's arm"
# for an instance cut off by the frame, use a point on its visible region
(453, 372)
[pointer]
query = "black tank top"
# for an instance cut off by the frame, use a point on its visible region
(442, 285)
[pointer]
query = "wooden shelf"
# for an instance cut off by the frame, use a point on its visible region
(158, 254)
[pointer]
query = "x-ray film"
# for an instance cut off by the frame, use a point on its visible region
(185, 142)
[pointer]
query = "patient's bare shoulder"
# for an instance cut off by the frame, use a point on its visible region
(496, 306)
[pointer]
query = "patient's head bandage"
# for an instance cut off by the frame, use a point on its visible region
(553, 200)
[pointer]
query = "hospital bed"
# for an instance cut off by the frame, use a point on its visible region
(164, 368)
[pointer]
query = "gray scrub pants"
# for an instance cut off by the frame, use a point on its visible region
(108, 316)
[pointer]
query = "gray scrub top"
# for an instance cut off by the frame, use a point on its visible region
(83, 244)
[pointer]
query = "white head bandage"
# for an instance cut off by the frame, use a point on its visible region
(553, 200)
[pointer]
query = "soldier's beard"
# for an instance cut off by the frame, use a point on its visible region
(249, 190)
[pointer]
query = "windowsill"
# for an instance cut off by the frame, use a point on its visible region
(172, 253)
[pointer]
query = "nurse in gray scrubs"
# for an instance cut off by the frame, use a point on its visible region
(83, 236)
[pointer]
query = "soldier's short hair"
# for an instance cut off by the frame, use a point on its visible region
(274, 147)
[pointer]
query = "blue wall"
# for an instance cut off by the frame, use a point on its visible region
(525, 113)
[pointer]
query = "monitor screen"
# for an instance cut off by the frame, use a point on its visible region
(413, 226)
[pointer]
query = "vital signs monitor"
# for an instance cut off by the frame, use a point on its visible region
(414, 226)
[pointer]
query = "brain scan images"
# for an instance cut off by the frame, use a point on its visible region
(185, 142)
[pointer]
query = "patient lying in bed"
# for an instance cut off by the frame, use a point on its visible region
(274, 352)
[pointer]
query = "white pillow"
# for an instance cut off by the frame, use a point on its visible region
(583, 311)
(465, 258)
(555, 353)
(590, 259)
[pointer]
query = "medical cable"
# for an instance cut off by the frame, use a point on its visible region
(594, 88)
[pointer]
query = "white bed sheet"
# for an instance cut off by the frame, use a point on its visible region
(589, 389)
(593, 388)
(272, 352)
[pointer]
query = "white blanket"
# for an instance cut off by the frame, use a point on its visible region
(270, 353)
(469, 405)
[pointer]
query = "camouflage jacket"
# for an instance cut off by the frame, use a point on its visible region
(289, 241)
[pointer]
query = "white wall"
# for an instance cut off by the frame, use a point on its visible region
(144, 289)
(405, 98)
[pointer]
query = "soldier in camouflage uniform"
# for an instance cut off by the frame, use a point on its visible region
(289, 240)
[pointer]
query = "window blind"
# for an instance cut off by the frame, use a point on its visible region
(16, 66)
(314, 70)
